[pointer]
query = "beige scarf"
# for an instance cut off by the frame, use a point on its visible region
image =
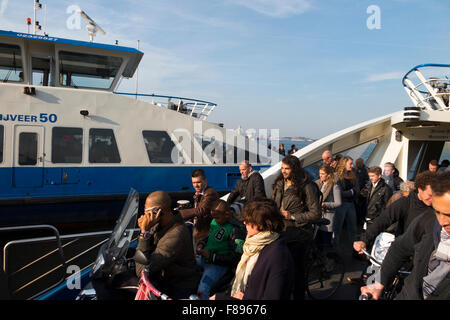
(252, 247)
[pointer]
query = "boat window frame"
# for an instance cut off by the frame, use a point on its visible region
(82, 145)
(89, 147)
(146, 149)
(2, 142)
(94, 51)
(24, 61)
(36, 153)
(52, 74)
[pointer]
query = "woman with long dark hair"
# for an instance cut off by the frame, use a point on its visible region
(298, 199)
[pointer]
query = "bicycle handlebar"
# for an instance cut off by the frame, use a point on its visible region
(365, 296)
(371, 257)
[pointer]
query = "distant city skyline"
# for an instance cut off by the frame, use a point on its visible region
(306, 67)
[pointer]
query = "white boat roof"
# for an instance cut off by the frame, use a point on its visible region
(134, 54)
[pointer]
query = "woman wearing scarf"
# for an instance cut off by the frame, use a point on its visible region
(266, 268)
(331, 200)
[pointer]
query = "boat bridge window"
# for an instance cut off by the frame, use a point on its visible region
(28, 147)
(67, 145)
(159, 146)
(103, 146)
(1, 143)
(42, 71)
(87, 70)
(10, 63)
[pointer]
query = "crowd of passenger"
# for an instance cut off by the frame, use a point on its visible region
(254, 247)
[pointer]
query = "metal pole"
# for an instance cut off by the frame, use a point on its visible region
(137, 73)
(34, 22)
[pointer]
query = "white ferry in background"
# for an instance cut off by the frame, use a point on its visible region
(71, 147)
(409, 138)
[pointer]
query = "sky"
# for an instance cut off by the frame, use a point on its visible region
(306, 67)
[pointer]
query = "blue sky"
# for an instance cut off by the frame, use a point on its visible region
(306, 67)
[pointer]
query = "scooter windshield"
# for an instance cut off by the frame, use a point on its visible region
(123, 231)
(114, 251)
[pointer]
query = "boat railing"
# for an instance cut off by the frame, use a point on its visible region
(35, 265)
(195, 108)
(432, 93)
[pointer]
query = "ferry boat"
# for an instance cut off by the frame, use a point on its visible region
(409, 138)
(71, 146)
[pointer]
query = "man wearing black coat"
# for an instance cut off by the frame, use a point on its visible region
(249, 187)
(403, 211)
(377, 194)
(427, 241)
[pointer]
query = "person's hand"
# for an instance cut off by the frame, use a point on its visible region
(375, 289)
(323, 204)
(212, 297)
(238, 295)
(148, 220)
(204, 253)
(286, 214)
(358, 246)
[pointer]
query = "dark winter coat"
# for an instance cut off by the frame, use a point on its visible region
(170, 253)
(403, 211)
(248, 189)
(272, 277)
(377, 202)
(417, 243)
(349, 190)
(304, 208)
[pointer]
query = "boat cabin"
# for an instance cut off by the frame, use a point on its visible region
(49, 61)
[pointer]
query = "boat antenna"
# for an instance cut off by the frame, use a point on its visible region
(37, 6)
(92, 27)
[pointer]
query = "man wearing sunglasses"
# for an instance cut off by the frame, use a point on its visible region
(166, 242)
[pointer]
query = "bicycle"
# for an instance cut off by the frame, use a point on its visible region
(147, 290)
(325, 268)
(390, 291)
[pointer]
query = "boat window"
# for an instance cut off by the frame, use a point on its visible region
(102, 146)
(159, 146)
(235, 154)
(67, 145)
(1, 143)
(87, 70)
(41, 71)
(10, 63)
(28, 146)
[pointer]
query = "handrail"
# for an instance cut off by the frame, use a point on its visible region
(162, 96)
(421, 66)
(58, 237)
(195, 108)
(33, 227)
(436, 95)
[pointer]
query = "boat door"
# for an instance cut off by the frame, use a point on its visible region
(28, 169)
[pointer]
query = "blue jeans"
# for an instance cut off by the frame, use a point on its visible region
(211, 274)
(346, 212)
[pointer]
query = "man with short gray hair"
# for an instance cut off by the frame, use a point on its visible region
(249, 187)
